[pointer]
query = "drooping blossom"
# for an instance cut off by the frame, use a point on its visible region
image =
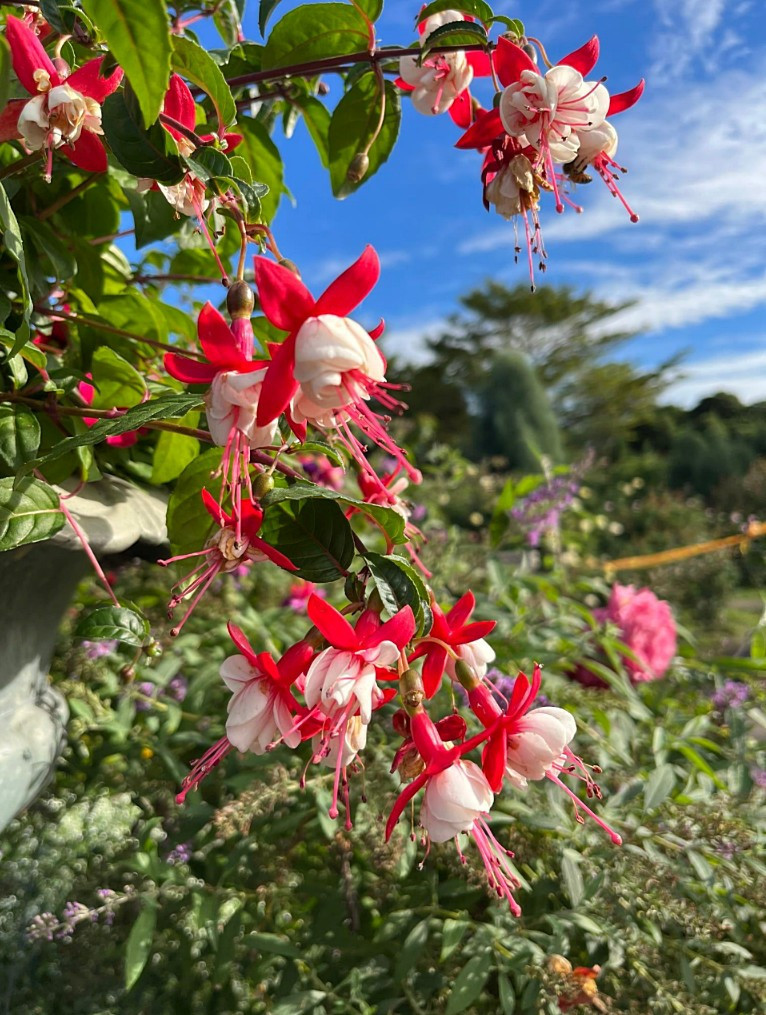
(440, 83)
(87, 393)
(321, 470)
(262, 705)
(340, 751)
(453, 636)
(386, 491)
(328, 367)
(457, 799)
(65, 109)
(235, 542)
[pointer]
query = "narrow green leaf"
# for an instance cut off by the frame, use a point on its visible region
(148, 153)
(188, 522)
(273, 944)
(316, 116)
(570, 872)
(138, 35)
(314, 534)
(658, 786)
(113, 623)
(117, 383)
(14, 245)
(197, 65)
(139, 943)
(5, 71)
(19, 437)
(476, 8)
(313, 32)
(469, 983)
(354, 123)
(507, 996)
(453, 933)
(457, 33)
(28, 514)
(227, 18)
(411, 949)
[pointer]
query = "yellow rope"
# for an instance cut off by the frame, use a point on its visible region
(741, 539)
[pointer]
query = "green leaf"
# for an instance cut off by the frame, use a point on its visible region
(117, 383)
(153, 216)
(411, 949)
(398, 584)
(138, 35)
(658, 786)
(173, 452)
(113, 623)
(139, 943)
(28, 514)
(391, 521)
(476, 8)
(5, 71)
(314, 534)
(265, 10)
(273, 944)
(197, 65)
(469, 983)
(19, 437)
(514, 26)
(148, 153)
(372, 8)
(207, 161)
(457, 33)
(316, 116)
(506, 994)
(453, 933)
(353, 124)
(264, 161)
(28, 351)
(313, 32)
(188, 522)
(570, 872)
(14, 245)
(165, 407)
(227, 18)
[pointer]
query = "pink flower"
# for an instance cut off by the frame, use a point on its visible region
(646, 626)
(299, 595)
(537, 744)
(87, 393)
(454, 799)
(65, 109)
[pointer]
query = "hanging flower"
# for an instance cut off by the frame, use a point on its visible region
(65, 109)
(452, 631)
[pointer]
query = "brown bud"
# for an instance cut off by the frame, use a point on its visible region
(358, 168)
(323, 88)
(531, 52)
(285, 262)
(239, 300)
(411, 690)
(262, 484)
(465, 675)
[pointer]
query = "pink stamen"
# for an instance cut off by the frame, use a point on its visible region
(203, 766)
(579, 805)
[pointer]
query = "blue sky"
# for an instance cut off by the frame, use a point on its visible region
(695, 264)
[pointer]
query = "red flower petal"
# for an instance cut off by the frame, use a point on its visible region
(433, 670)
(9, 119)
(480, 61)
(233, 141)
(624, 100)
(179, 103)
(284, 298)
(401, 83)
(332, 624)
(243, 645)
(583, 59)
(483, 131)
(462, 610)
(366, 626)
(493, 760)
(274, 555)
(279, 384)
(472, 632)
(378, 330)
(461, 110)
(251, 516)
(88, 153)
(87, 79)
(28, 55)
(294, 662)
(400, 629)
(190, 371)
(350, 288)
(214, 509)
(217, 340)
(510, 60)
(402, 800)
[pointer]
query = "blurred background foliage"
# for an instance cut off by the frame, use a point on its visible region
(544, 458)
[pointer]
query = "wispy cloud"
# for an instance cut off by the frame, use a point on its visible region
(744, 376)
(687, 28)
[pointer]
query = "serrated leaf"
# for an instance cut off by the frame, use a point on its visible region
(14, 245)
(194, 63)
(314, 534)
(658, 786)
(265, 163)
(188, 521)
(354, 123)
(117, 382)
(165, 407)
(456, 33)
(19, 437)
(151, 152)
(138, 35)
(398, 584)
(313, 32)
(391, 521)
(570, 872)
(139, 943)
(453, 933)
(28, 514)
(113, 623)
(476, 8)
(469, 983)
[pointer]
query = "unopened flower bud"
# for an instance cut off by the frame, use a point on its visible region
(323, 88)
(153, 649)
(530, 50)
(374, 602)
(62, 67)
(358, 168)
(285, 262)
(411, 690)
(262, 484)
(239, 299)
(465, 675)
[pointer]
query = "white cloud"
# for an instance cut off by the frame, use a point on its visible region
(689, 29)
(744, 376)
(408, 340)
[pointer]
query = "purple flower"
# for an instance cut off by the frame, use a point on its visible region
(179, 854)
(178, 688)
(733, 694)
(758, 775)
(99, 649)
(148, 689)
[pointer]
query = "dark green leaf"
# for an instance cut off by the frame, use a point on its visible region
(153, 216)
(386, 517)
(15, 247)
(570, 872)
(54, 253)
(165, 407)
(658, 786)
(197, 65)
(28, 514)
(453, 932)
(207, 161)
(469, 983)
(313, 32)
(138, 35)
(29, 351)
(265, 11)
(113, 623)
(476, 8)
(19, 437)
(188, 522)
(117, 383)
(411, 949)
(148, 153)
(507, 996)
(457, 33)
(139, 943)
(265, 163)
(314, 534)
(51, 13)
(398, 584)
(354, 123)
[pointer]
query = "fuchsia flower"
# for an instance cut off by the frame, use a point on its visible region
(440, 83)
(236, 542)
(261, 706)
(452, 631)
(299, 594)
(328, 367)
(65, 109)
(122, 440)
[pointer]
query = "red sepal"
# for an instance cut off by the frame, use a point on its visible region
(480, 62)
(402, 800)
(274, 555)
(179, 104)
(624, 100)
(461, 110)
(493, 760)
(583, 59)
(510, 61)
(401, 83)
(88, 80)
(251, 516)
(214, 509)
(190, 371)
(88, 153)
(332, 625)
(462, 610)
(279, 384)
(285, 300)
(294, 662)
(483, 131)
(9, 119)
(472, 632)
(217, 340)
(28, 55)
(350, 288)
(242, 644)
(433, 670)
(399, 630)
